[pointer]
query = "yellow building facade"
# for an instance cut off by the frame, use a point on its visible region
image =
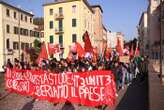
(17, 32)
(66, 21)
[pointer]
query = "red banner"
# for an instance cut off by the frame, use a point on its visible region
(90, 88)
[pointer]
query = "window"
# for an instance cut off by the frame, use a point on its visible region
(16, 30)
(22, 17)
(15, 45)
(31, 33)
(26, 18)
(30, 45)
(8, 12)
(74, 39)
(8, 44)
(15, 15)
(51, 25)
(8, 28)
(26, 32)
(60, 10)
(23, 45)
(73, 22)
(30, 20)
(74, 9)
(51, 11)
(36, 34)
(60, 25)
(61, 40)
(51, 39)
(27, 45)
(21, 31)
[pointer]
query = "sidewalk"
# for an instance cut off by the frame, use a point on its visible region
(156, 90)
(3, 92)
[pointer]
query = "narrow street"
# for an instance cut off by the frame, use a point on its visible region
(82, 55)
(136, 97)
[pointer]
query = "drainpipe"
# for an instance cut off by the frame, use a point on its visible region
(19, 42)
(161, 35)
(4, 40)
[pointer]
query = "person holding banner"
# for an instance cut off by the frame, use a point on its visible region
(95, 81)
(16, 63)
(9, 64)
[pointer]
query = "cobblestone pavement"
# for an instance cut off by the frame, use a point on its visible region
(12, 101)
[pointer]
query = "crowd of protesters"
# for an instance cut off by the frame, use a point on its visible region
(124, 72)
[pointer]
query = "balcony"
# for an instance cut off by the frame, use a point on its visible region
(59, 30)
(10, 51)
(59, 16)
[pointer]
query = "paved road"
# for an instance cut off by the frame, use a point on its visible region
(136, 97)
(19, 102)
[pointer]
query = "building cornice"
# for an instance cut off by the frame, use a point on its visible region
(104, 28)
(142, 16)
(97, 6)
(66, 1)
(16, 8)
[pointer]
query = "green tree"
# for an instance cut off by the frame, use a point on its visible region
(34, 51)
(38, 21)
(37, 45)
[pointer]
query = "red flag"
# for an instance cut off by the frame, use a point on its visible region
(108, 53)
(131, 51)
(69, 57)
(53, 49)
(43, 54)
(77, 48)
(80, 50)
(137, 52)
(119, 48)
(87, 46)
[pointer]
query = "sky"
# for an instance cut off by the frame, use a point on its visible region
(119, 15)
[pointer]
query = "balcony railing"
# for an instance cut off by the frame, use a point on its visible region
(59, 16)
(59, 30)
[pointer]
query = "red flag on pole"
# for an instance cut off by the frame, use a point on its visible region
(119, 48)
(70, 56)
(137, 52)
(80, 50)
(77, 48)
(43, 54)
(131, 51)
(108, 53)
(53, 49)
(87, 46)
